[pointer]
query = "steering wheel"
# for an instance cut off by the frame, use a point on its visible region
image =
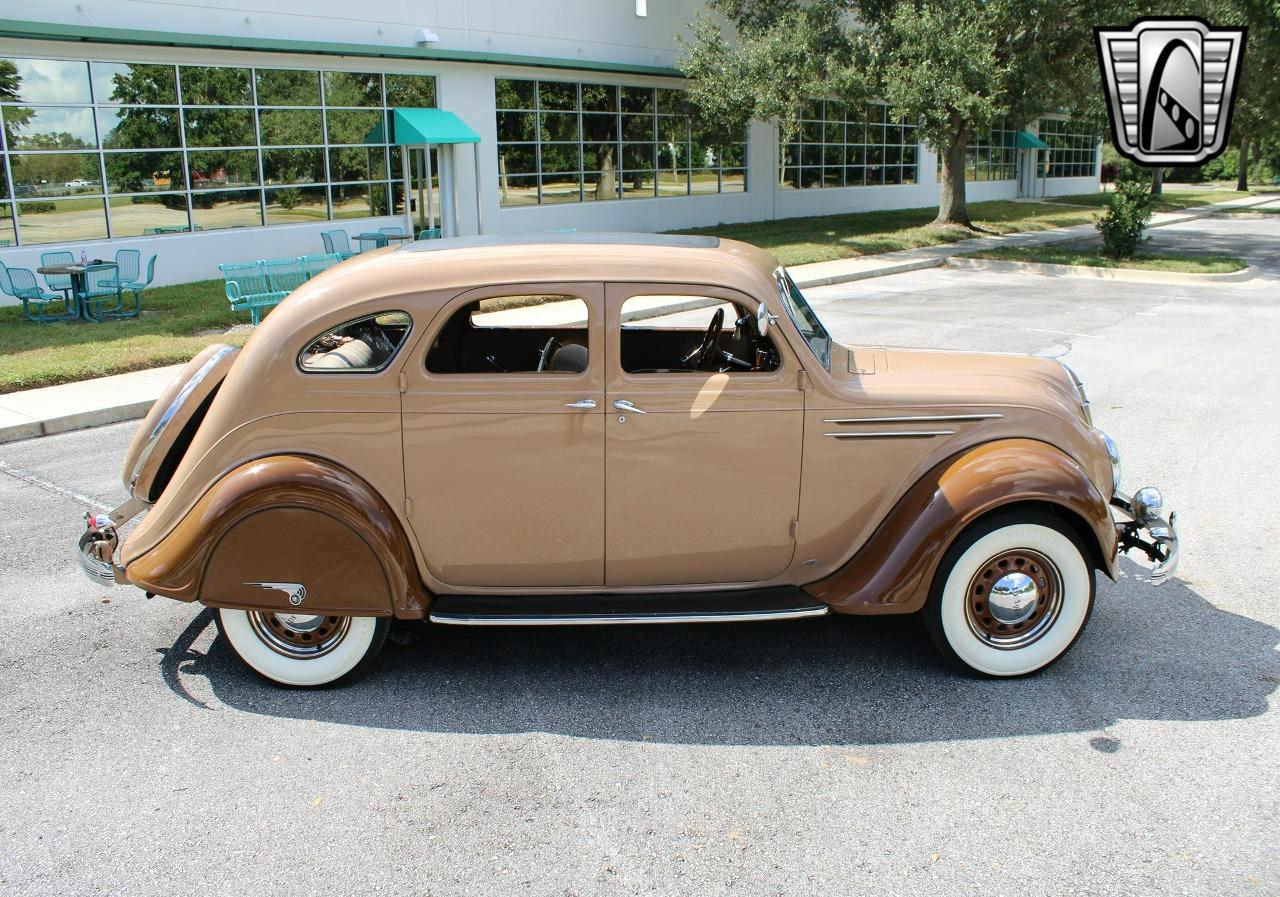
(710, 342)
(544, 357)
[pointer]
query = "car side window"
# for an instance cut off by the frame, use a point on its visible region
(672, 334)
(521, 334)
(363, 346)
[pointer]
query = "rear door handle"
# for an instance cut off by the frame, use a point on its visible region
(624, 405)
(584, 404)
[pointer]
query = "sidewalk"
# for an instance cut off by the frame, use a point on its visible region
(93, 403)
(86, 403)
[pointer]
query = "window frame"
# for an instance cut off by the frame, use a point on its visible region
(363, 372)
(787, 360)
(475, 380)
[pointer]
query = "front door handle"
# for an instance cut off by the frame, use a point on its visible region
(624, 405)
(584, 404)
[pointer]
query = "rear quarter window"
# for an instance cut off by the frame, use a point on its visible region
(363, 346)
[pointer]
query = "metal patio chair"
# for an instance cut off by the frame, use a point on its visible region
(336, 242)
(21, 284)
(101, 285)
(429, 233)
(63, 283)
(134, 284)
(392, 231)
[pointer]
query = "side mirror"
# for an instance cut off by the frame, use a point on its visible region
(764, 319)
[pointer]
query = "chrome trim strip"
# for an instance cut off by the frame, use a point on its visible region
(912, 420)
(888, 434)
(616, 619)
(178, 401)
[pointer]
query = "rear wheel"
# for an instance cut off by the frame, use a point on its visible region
(1011, 595)
(303, 649)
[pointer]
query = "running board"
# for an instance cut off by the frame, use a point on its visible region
(782, 603)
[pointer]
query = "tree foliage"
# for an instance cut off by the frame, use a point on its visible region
(957, 66)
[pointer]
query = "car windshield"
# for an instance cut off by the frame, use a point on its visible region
(803, 317)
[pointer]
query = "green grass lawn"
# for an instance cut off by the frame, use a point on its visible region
(34, 355)
(1252, 210)
(1168, 201)
(1059, 255)
(799, 241)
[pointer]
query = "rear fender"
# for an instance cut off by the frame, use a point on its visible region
(893, 572)
(288, 533)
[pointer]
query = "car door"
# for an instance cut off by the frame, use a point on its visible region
(504, 464)
(702, 479)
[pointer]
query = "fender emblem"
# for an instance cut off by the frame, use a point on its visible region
(296, 591)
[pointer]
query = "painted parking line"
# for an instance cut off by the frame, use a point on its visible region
(34, 479)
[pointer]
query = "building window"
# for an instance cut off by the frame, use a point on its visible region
(111, 149)
(567, 142)
(1073, 147)
(991, 155)
(849, 145)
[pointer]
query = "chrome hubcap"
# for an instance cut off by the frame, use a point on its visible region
(301, 622)
(1014, 599)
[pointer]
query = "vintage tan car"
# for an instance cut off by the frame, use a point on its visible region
(611, 428)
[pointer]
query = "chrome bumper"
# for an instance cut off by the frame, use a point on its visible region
(99, 541)
(1147, 531)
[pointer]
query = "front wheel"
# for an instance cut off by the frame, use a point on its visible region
(305, 650)
(1011, 595)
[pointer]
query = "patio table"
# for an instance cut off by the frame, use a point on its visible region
(76, 272)
(379, 239)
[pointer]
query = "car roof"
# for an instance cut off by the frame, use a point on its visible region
(595, 238)
(422, 275)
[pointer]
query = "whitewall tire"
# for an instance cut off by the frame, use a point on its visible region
(304, 650)
(1011, 595)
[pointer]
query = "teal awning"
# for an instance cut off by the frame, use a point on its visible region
(1027, 140)
(415, 127)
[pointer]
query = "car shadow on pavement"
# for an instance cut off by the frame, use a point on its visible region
(1155, 654)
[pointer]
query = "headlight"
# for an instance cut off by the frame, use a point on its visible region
(1113, 452)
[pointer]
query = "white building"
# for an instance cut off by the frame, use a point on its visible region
(194, 129)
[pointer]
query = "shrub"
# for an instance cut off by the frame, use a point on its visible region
(1125, 218)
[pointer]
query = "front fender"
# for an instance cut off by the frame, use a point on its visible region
(893, 572)
(287, 520)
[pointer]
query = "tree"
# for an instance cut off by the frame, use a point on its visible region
(1257, 107)
(956, 66)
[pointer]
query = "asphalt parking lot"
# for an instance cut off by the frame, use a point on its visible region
(831, 756)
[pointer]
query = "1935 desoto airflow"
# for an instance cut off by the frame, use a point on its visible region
(611, 429)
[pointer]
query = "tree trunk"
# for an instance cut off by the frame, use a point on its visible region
(607, 181)
(951, 201)
(1242, 179)
(1157, 181)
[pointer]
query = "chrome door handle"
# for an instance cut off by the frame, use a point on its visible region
(624, 405)
(584, 404)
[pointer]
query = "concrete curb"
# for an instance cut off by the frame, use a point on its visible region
(1134, 275)
(869, 272)
(98, 417)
